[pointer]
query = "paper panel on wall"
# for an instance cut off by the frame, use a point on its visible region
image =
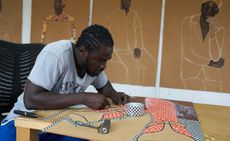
(196, 39)
(134, 26)
(58, 19)
(10, 20)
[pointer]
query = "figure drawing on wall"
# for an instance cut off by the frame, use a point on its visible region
(131, 55)
(202, 42)
(60, 17)
(4, 35)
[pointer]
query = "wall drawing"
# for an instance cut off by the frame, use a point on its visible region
(10, 20)
(131, 59)
(3, 34)
(202, 46)
(53, 23)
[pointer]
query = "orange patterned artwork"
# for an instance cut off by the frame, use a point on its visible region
(162, 120)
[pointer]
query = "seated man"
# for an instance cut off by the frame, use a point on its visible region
(61, 74)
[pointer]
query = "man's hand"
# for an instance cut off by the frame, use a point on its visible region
(96, 101)
(120, 98)
(217, 64)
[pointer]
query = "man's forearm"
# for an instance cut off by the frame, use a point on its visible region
(48, 101)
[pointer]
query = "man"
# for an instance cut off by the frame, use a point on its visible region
(61, 74)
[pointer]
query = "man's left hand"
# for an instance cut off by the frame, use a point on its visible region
(120, 98)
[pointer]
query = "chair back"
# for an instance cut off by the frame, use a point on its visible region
(16, 62)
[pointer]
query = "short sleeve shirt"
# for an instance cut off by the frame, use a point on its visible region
(55, 71)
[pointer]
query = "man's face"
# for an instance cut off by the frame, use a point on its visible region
(0, 5)
(97, 59)
(58, 7)
(209, 8)
(125, 4)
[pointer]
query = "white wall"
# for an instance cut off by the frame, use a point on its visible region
(26, 20)
(205, 97)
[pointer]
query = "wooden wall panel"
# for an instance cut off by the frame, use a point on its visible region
(186, 55)
(11, 20)
(77, 10)
(136, 36)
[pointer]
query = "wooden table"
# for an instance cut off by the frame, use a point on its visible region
(214, 125)
(27, 129)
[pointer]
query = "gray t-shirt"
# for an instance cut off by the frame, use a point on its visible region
(55, 71)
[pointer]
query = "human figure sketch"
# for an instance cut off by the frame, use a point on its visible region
(0, 6)
(202, 41)
(54, 23)
(3, 32)
(131, 60)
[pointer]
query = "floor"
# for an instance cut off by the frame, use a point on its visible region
(215, 122)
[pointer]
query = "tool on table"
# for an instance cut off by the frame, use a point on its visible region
(25, 113)
(103, 128)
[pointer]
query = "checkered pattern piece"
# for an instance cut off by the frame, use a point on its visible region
(54, 115)
(194, 128)
(180, 129)
(54, 123)
(134, 109)
(145, 127)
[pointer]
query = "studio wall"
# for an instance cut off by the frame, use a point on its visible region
(48, 27)
(192, 59)
(10, 20)
(134, 25)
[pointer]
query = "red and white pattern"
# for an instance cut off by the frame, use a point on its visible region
(164, 112)
(161, 110)
(180, 129)
(154, 127)
(113, 115)
(103, 110)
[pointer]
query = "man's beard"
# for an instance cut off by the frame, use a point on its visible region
(86, 66)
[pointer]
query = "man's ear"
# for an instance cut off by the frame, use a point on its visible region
(83, 51)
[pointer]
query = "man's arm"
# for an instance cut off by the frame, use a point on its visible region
(119, 98)
(36, 97)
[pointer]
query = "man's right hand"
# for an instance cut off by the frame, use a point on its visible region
(96, 101)
(217, 64)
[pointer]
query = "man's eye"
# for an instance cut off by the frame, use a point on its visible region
(100, 61)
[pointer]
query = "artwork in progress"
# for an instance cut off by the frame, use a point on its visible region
(162, 119)
(202, 45)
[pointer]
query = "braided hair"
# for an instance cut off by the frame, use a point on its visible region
(95, 36)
